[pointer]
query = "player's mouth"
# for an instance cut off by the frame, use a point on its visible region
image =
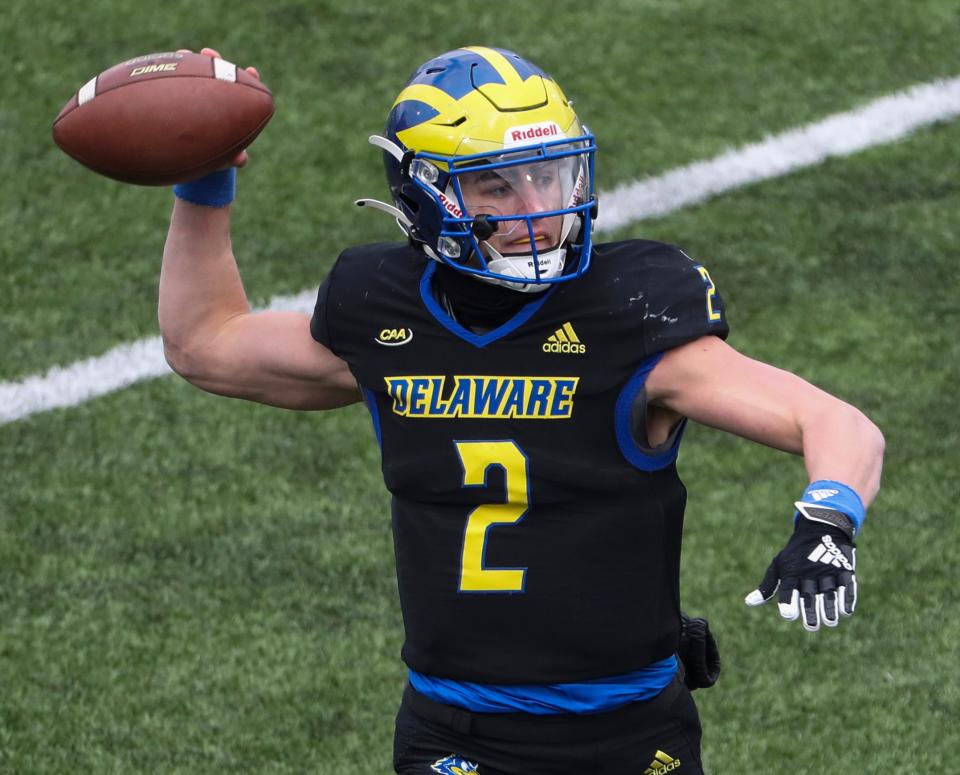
(540, 239)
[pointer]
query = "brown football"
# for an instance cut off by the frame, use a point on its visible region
(163, 118)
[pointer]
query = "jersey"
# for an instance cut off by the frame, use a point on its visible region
(537, 536)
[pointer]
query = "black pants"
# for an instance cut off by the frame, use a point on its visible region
(657, 737)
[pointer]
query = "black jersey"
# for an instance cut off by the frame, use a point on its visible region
(537, 538)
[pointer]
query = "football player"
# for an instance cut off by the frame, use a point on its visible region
(529, 390)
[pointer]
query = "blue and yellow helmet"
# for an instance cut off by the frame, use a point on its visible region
(490, 169)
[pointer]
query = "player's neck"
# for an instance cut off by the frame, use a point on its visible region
(477, 305)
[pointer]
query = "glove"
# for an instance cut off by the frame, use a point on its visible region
(698, 652)
(816, 571)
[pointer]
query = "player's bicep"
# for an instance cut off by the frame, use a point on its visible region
(270, 357)
(711, 383)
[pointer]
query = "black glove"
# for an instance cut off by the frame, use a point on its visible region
(698, 652)
(815, 571)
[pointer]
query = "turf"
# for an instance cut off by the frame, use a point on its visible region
(191, 584)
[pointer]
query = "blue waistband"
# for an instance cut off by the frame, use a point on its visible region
(593, 696)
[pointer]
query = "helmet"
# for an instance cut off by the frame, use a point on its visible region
(490, 170)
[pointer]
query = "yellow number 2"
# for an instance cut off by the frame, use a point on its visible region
(712, 314)
(477, 457)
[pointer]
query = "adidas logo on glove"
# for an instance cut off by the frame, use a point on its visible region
(828, 553)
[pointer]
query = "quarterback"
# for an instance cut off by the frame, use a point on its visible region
(529, 390)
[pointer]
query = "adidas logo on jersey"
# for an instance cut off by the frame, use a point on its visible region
(564, 340)
(662, 763)
(829, 554)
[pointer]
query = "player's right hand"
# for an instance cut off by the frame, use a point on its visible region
(242, 158)
(815, 572)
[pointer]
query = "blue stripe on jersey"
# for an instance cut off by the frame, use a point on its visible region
(632, 451)
(477, 340)
(370, 399)
(594, 696)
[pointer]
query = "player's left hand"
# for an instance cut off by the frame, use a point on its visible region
(815, 572)
(698, 652)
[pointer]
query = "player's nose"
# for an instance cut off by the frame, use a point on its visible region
(533, 199)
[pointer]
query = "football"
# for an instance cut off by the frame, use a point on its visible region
(163, 118)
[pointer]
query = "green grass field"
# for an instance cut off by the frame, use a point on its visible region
(190, 584)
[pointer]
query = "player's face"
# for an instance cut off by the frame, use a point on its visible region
(522, 190)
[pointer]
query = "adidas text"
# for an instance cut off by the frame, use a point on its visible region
(564, 347)
(662, 763)
(828, 553)
(564, 340)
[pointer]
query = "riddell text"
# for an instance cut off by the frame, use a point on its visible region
(534, 132)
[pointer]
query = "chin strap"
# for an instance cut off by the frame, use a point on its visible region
(512, 266)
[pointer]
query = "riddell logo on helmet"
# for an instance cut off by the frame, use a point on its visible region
(544, 130)
(450, 206)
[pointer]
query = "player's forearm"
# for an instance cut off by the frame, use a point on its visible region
(200, 286)
(841, 444)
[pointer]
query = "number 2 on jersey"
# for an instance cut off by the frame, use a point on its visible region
(712, 315)
(477, 457)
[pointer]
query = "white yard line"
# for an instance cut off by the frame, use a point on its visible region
(882, 121)
(119, 367)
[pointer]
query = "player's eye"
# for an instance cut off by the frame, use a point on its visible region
(497, 189)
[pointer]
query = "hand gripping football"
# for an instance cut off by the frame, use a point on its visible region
(163, 118)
